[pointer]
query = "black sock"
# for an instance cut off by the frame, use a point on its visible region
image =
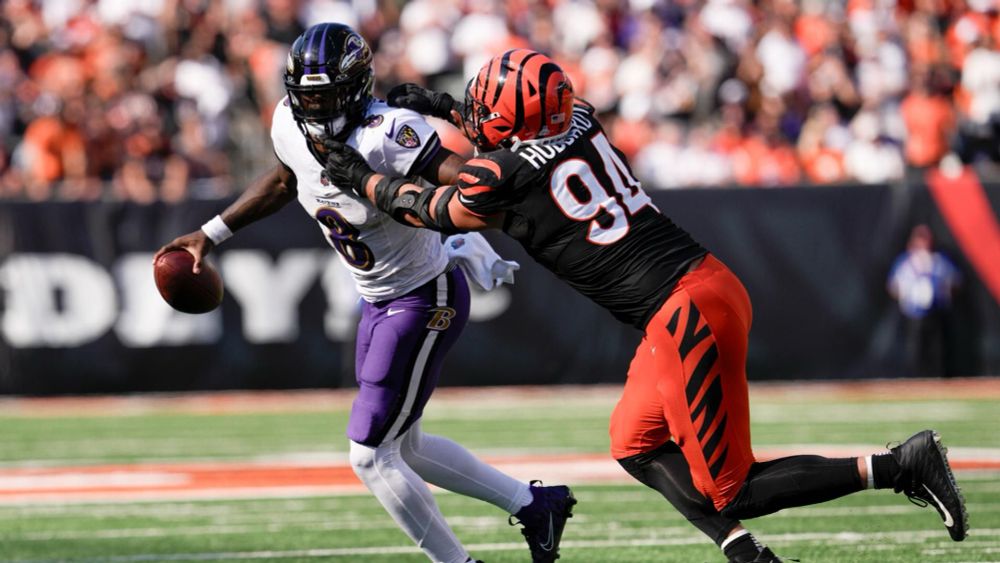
(885, 469)
(743, 548)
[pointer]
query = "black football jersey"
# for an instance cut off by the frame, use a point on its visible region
(577, 209)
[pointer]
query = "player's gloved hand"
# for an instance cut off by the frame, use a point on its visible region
(345, 167)
(423, 101)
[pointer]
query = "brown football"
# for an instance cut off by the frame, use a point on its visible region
(183, 289)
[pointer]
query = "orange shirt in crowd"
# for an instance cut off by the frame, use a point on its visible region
(814, 33)
(630, 136)
(929, 121)
(824, 166)
(727, 139)
(759, 163)
(49, 141)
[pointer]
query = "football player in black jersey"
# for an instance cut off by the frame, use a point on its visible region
(547, 175)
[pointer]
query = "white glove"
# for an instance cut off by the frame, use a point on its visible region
(479, 261)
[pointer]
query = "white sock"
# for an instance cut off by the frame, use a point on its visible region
(407, 499)
(733, 538)
(448, 465)
(871, 472)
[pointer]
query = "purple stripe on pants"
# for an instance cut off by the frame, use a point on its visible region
(401, 345)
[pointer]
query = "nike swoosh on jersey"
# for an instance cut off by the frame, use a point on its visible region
(391, 129)
(948, 520)
(392, 311)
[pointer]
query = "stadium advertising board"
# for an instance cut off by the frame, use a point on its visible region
(79, 311)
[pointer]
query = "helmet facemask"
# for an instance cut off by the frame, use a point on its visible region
(328, 111)
(476, 115)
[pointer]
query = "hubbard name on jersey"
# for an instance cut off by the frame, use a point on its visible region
(575, 206)
(386, 258)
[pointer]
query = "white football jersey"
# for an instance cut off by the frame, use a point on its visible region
(386, 258)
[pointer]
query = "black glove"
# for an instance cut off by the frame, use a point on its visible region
(423, 101)
(345, 167)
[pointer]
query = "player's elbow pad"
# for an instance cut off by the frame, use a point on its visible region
(410, 204)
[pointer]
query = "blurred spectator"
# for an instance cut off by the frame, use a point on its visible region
(782, 59)
(54, 149)
(821, 146)
(765, 157)
(929, 119)
(870, 157)
(922, 281)
(980, 125)
(168, 99)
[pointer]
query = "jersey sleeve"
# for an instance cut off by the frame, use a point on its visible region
(282, 125)
(486, 186)
(408, 143)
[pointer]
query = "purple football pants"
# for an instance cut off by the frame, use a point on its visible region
(401, 345)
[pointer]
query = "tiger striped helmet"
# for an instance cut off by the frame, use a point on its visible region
(521, 95)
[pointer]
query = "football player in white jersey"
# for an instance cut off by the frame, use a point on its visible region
(415, 304)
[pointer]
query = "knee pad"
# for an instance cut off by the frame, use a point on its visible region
(365, 459)
(361, 456)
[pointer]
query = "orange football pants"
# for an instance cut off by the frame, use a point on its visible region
(688, 382)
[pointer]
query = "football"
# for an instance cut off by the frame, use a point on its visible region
(184, 290)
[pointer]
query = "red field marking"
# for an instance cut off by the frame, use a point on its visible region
(314, 400)
(250, 480)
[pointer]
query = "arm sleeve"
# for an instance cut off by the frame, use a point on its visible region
(279, 129)
(486, 186)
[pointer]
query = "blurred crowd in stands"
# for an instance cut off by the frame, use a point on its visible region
(149, 100)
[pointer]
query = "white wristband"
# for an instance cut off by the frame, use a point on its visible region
(216, 230)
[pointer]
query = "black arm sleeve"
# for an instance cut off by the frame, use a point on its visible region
(400, 206)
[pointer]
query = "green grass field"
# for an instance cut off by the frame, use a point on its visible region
(614, 522)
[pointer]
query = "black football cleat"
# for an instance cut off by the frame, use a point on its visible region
(544, 519)
(926, 478)
(765, 555)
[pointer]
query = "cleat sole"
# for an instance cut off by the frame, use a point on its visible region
(943, 454)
